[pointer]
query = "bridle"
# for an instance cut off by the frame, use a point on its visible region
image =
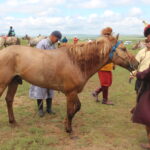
(113, 51)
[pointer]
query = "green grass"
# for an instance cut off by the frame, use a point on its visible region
(24, 42)
(96, 126)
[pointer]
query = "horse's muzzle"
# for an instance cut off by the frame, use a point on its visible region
(134, 66)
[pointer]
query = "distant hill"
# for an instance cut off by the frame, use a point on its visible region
(88, 36)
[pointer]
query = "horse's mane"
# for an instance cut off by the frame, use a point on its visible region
(84, 51)
(92, 50)
(87, 54)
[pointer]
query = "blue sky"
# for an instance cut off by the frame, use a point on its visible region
(35, 17)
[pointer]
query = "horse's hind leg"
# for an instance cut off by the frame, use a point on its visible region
(12, 88)
(2, 88)
(73, 106)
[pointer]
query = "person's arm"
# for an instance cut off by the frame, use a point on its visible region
(144, 75)
(40, 45)
(138, 58)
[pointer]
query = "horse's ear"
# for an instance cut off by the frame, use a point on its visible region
(117, 37)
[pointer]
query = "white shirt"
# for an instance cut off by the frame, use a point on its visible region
(143, 57)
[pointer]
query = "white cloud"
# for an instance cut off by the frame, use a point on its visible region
(93, 4)
(110, 13)
(93, 18)
(49, 16)
(31, 7)
(146, 1)
(123, 2)
(135, 11)
(128, 25)
(91, 24)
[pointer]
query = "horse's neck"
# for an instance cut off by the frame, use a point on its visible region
(95, 67)
(92, 66)
(90, 58)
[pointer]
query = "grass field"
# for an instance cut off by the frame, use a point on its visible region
(96, 126)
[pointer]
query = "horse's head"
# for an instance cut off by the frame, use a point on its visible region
(120, 56)
(118, 53)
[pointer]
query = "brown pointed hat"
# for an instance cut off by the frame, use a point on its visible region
(107, 31)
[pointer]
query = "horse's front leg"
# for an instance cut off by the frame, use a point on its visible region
(12, 88)
(73, 106)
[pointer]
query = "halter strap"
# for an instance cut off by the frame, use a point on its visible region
(114, 48)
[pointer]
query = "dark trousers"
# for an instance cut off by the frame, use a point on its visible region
(104, 90)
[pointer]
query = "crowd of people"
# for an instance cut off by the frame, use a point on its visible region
(141, 112)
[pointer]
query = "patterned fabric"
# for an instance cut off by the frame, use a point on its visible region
(38, 92)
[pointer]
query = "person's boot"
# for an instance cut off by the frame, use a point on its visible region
(106, 102)
(49, 106)
(95, 94)
(40, 108)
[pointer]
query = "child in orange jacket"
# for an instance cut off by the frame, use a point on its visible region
(105, 77)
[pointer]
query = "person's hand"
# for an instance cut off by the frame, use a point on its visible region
(133, 74)
(131, 77)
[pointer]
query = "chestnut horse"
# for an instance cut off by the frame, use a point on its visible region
(66, 69)
(139, 45)
(7, 41)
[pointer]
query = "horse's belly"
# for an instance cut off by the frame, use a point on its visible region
(41, 82)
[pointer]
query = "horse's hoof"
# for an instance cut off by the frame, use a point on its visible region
(68, 130)
(13, 123)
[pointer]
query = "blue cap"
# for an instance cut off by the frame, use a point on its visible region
(57, 34)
